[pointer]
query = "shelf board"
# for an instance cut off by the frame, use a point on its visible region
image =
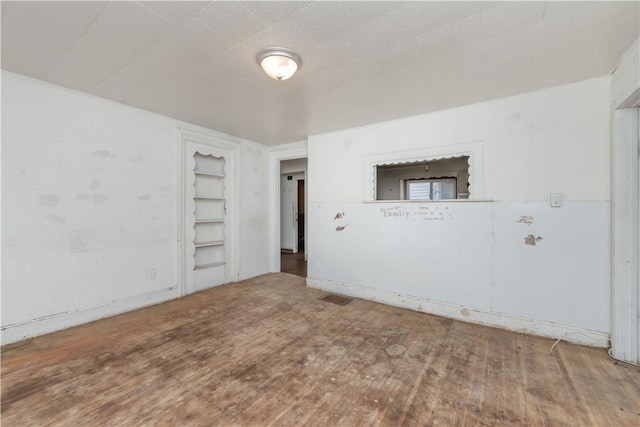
(206, 221)
(211, 243)
(220, 199)
(214, 175)
(209, 265)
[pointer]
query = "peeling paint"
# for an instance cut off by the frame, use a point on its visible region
(339, 215)
(532, 240)
(526, 220)
(341, 227)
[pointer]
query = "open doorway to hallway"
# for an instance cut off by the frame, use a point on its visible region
(293, 202)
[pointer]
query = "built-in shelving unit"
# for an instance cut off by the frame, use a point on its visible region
(210, 210)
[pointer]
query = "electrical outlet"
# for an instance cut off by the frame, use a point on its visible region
(556, 200)
(151, 274)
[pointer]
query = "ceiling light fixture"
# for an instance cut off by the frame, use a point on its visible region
(278, 62)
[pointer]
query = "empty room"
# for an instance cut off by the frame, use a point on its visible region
(329, 213)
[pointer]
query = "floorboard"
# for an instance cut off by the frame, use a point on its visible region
(269, 351)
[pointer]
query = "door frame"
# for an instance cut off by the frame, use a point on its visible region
(295, 178)
(293, 151)
(215, 141)
(625, 234)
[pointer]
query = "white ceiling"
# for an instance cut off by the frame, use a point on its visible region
(363, 62)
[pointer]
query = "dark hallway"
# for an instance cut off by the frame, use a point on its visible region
(293, 263)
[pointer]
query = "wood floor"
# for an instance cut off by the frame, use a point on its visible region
(270, 351)
(293, 263)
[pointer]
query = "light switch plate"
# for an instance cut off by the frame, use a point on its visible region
(556, 200)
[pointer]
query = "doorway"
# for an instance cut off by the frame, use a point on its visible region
(301, 222)
(293, 224)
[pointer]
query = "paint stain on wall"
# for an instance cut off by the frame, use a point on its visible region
(103, 154)
(532, 240)
(98, 199)
(514, 117)
(526, 220)
(55, 219)
(341, 227)
(48, 200)
(95, 184)
(339, 215)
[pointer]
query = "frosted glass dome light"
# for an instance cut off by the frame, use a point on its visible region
(278, 62)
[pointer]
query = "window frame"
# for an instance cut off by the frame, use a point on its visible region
(405, 186)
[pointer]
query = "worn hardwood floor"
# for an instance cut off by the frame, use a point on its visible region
(293, 263)
(269, 351)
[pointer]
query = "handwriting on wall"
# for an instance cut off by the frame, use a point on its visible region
(419, 213)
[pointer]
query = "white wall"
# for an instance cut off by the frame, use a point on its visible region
(472, 261)
(626, 78)
(254, 217)
(89, 193)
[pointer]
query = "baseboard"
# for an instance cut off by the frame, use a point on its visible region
(55, 322)
(466, 314)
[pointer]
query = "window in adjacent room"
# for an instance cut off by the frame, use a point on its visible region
(439, 179)
(430, 189)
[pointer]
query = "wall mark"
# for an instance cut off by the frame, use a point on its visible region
(95, 184)
(48, 200)
(465, 312)
(103, 154)
(56, 218)
(339, 215)
(532, 240)
(341, 227)
(514, 117)
(98, 199)
(526, 220)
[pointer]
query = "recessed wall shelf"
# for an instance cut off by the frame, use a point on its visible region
(211, 243)
(214, 175)
(209, 201)
(209, 265)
